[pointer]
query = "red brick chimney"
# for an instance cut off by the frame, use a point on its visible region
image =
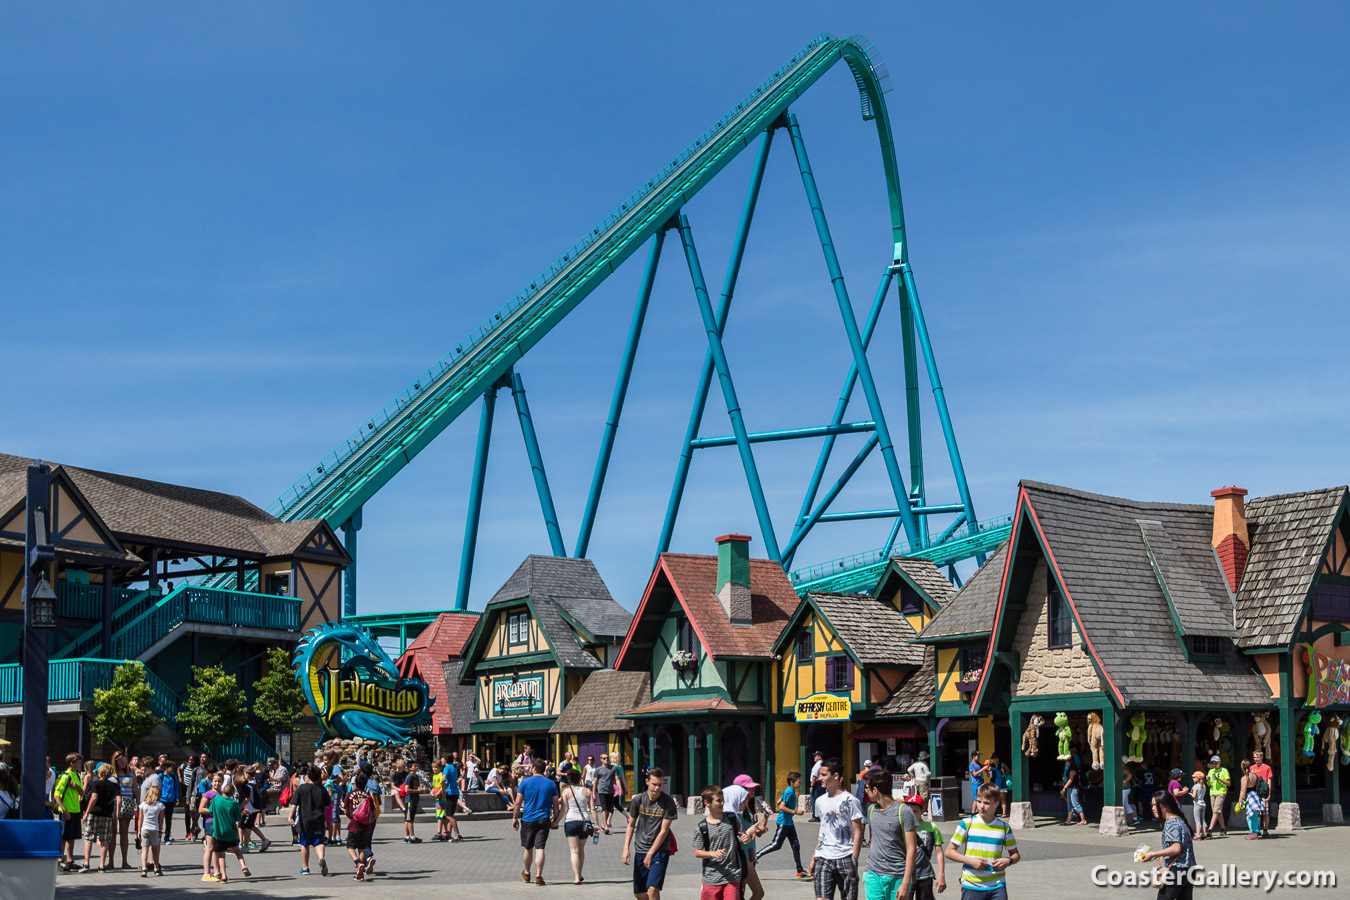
(1230, 532)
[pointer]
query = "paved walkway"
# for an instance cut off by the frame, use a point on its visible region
(1057, 863)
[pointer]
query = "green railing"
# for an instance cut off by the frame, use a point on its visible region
(128, 603)
(211, 606)
(67, 679)
(251, 747)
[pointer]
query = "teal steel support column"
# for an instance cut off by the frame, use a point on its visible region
(939, 396)
(537, 466)
(349, 530)
(841, 406)
(912, 417)
(869, 387)
(800, 533)
(729, 391)
(480, 458)
(620, 392)
(723, 308)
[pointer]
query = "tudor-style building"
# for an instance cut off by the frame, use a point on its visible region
(1191, 617)
(854, 647)
(125, 549)
(705, 631)
(549, 626)
(436, 657)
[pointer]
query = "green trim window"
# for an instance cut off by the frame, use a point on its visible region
(518, 628)
(838, 673)
(686, 639)
(806, 649)
(1060, 618)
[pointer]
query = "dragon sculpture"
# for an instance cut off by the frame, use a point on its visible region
(365, 697)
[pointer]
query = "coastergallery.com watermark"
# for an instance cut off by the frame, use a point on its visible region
(1226, 875)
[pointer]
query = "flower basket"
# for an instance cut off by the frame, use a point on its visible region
(683, 661)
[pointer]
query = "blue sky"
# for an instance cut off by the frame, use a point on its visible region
(232, 231)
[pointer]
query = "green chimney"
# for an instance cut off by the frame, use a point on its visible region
(733, 577)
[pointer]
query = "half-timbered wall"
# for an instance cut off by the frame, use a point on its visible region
(320, 585)
(523, 706)
(801, 677)
(499, 643)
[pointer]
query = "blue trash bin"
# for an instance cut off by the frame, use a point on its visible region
(28, 854)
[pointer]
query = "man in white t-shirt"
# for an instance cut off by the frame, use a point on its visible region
(921, 774)
(835, 862)
(816, 788)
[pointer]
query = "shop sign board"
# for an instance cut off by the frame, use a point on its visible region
(365, 697)
(823, 708)
(1328, 680)
(522, 696)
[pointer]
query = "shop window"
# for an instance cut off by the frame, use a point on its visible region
(805, 646)
(1206, 645)
(838, 673)
(972, 662)
(1331, 603)
(1061, 619)
(518, 628)
(685, 638)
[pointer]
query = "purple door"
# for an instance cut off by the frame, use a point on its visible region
(592, 745)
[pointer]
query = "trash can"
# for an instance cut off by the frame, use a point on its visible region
(944, 799)
(28, 854)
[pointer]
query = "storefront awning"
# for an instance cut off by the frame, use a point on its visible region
(880, 731)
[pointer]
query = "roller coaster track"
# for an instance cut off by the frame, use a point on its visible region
(337, 487)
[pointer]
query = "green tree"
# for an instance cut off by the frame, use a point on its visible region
(280, 702)
(215, 711)
(123, 713)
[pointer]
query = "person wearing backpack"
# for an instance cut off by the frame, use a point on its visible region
(718, 843)
(362, 814)
(1262, 770)
(309, 814)
(891, 864)
(1252, 803)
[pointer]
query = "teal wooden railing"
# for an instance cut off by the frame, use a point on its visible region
(250, 747)
(128, 603)
(67, 679)
(211, 606)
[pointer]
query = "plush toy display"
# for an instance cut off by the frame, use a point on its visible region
(1096, 739)
(1261, 733)
(1331, 736)
(1310, 731)
(1226, 742)
(1064, 734)
(1137, 723)
(1031, 738)
(1345, 747)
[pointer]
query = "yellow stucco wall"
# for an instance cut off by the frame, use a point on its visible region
(499, 642)
(787, 756)
(985, 736)
(11, 568)
(948, 664)
(802, 678)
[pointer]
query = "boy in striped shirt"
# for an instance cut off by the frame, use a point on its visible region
(978, 845)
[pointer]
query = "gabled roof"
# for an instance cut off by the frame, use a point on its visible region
(1288, 534)
(160, 512)
(874, 631)
(1094, 546)
(970, 611)
(604, 692)
(917, 694)
(691, 581)
(569, 600)
(1185, 572)
(921, 575)
(13, 502)
(438, 643)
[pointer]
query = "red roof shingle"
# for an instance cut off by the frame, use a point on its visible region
(443, 639)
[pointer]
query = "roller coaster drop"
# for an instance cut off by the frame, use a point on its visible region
(483, 363)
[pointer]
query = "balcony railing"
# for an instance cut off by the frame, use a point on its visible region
(209, 606)
(85, 601)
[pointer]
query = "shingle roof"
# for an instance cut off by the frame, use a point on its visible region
(876, 632)
(694, 704)
(916, 696)
(1100, 552)
(1288, 534)
(283, 538)
(604, 693)
(1187, 573)
(459, 697)
(155, 510)
(438, 643)
(555, 585)
(926, 576)
(772, 602)
(13, 490)
(970, 611)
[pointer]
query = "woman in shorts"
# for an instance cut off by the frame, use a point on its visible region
(576, 801)
(127, 788)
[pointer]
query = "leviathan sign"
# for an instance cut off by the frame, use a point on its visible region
(365, 698)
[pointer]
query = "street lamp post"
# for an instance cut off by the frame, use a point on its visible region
(39, 617)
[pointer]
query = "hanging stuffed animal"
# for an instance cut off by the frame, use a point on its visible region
(1331, 735)
(1031, 738)
(1226, 742)
(1261, 733)
(1310, 731)
(1218, 732)
(1137, 723)
(1064, 734)
(1345, 746)
(1096, 735)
